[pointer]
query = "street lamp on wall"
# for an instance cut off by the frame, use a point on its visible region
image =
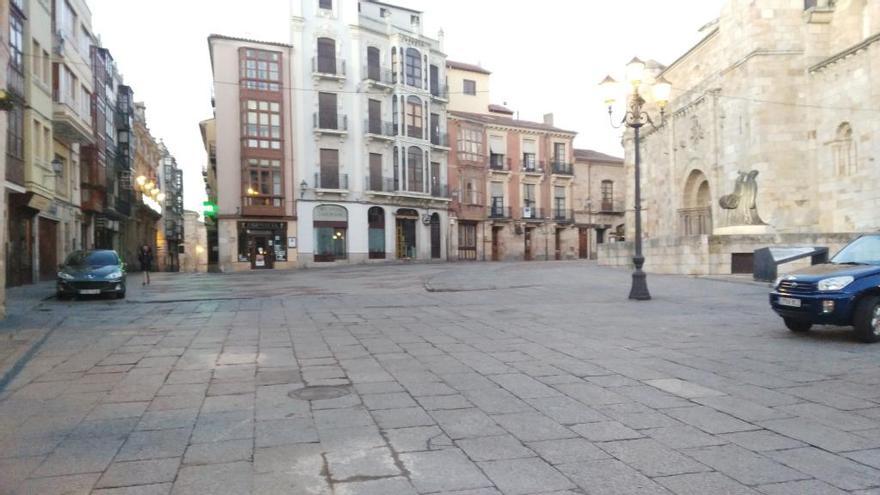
(635, 118)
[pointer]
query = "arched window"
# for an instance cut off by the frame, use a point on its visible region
(414, 170)
(843, 151)
(326, 56)
(414, 117)
(376, 233)
(413, 68)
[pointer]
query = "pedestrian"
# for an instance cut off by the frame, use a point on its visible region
(145, 256)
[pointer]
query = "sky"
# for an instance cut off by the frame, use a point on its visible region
(545, 56)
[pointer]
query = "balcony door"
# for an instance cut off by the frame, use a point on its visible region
(375, 172)
(327, 115)
(435, 179)
(329, 178)
(326, 56)
(373, 64)
(374, 112)
(435, 80)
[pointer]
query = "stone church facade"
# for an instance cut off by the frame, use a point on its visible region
(772, 137)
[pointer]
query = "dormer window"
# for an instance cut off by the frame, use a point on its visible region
(383, 12)
(414, 20)
(326, 4)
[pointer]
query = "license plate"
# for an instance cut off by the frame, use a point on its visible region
(90, 292)
(790, 302)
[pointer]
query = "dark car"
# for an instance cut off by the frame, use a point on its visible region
(97, 272)
(843, 292)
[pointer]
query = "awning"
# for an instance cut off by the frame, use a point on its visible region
(496, 145)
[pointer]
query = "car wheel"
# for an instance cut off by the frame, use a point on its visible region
(867, 320)
(798, 326)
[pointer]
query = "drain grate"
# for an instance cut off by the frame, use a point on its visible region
(319, 393)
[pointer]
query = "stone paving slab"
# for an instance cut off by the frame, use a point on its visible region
(549, 383)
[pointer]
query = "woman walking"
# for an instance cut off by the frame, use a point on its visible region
(145, 256)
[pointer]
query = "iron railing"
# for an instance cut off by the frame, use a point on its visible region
(499, 162)
(532, 213)
(330, 122)
(562, 168)
(331, 181)
(328, 67)
(440, 139)
(379, 128)
(563, 215)
(377, 74)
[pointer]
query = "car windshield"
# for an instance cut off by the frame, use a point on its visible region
(863, 251)
(92, 258)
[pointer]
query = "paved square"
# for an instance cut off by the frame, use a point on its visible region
(512, 378)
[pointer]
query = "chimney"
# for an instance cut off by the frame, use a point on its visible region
(548, 119)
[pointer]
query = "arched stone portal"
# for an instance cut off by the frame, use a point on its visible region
(695, 215)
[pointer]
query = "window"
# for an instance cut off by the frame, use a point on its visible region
(67, 19)
(260, 70)
(559, 152)
(374, 63)
(264, 185)
(414, 116)
(85, 103)
(414, 170)
(261, 124)
(85, 44)
(47, 66)
(329, 175)
(469, 87)
(326, 56)
(15, 132)
(375, 182)
(529, 195)
(843, 151)
(413, 68)
(470, 144)
(68, 86)
(607, 195)
(497, 190)
(414, 20)
(394, 68)
(327, 114)
(559, 201)
(530, 148)
(326, 4)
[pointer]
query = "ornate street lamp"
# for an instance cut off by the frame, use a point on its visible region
(634, 118)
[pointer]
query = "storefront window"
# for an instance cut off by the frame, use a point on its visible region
(331, 232)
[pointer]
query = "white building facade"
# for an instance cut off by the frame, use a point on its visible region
(371, 148)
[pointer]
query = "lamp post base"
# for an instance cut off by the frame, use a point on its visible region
(639, 289)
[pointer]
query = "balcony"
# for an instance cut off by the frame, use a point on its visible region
(15, 80)
(378, 130)
(373, 184)
(379, 77)
(562, 168)
(93, 173)
(499, 212)
(530, 165)
(331, 182)
(563, 215)
(611, 206)
(499, 163)
(72, 121)
(330, 123)
(440, 140)
(440, 92)
(327, 68)
(532, 213)
(260, 205)
(440, 191)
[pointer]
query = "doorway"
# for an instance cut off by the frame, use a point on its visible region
(583, 243)
(496, 243)
(529, 254)
(406, 233)
(48, 241)
(557, 240)
(436, 248)
(261, 252)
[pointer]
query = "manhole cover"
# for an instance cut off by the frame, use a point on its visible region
(319, 393)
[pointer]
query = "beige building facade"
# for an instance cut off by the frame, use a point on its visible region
(769, 138)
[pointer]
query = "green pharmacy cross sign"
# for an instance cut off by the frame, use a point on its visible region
(210, 209)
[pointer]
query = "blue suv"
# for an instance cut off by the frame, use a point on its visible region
(844, 292)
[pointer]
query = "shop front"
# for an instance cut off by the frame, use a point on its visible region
(262, 244)
(330, 224)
